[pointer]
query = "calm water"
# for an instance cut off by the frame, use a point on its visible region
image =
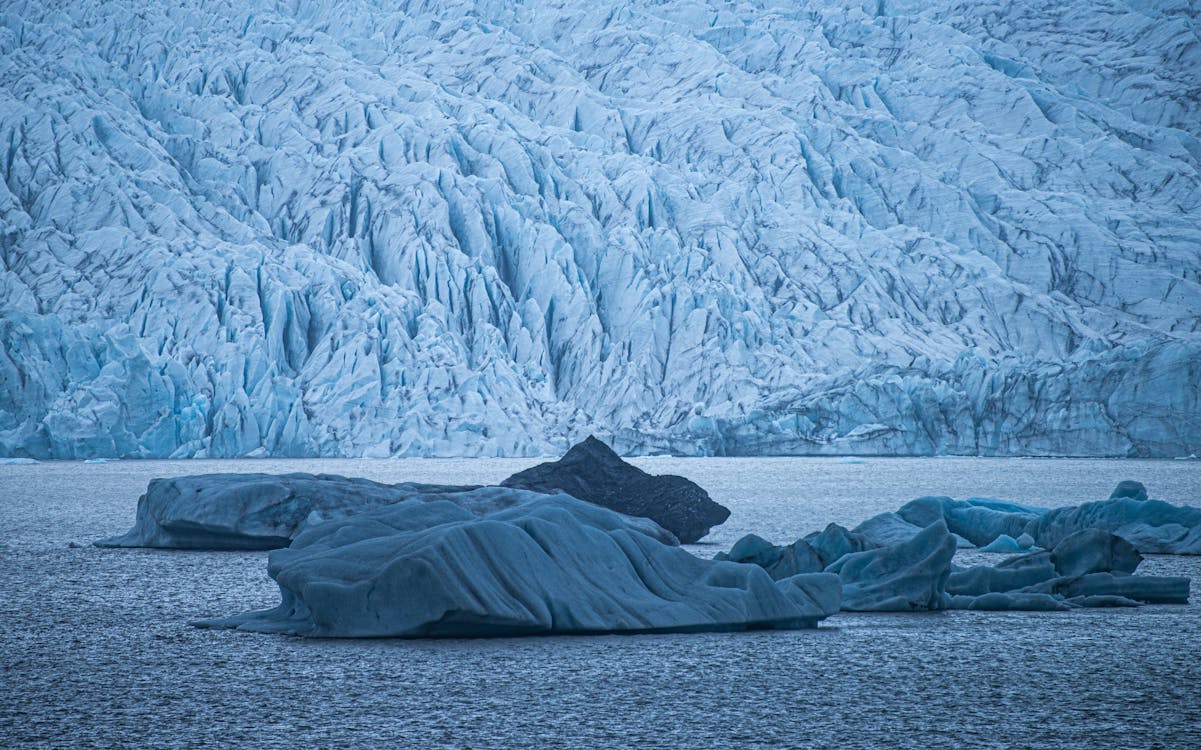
(95, 650)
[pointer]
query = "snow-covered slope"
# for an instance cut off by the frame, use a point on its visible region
(374, 228)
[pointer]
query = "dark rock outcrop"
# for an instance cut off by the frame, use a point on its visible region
(592, 471)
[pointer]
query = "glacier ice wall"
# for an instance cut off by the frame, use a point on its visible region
(490, 228)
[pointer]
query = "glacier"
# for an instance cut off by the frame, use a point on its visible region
(492, 228)
(549, 565)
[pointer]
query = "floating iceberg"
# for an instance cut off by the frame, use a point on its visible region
(592, 471)
(263, 511)
(909, 575)
(978, 520)
(810, 554)
(887, 528)
(549, 564)
(1007, 544)
(906, 577)
(779, 562)
(1153, 526)
(258, 511)
(1090, 568)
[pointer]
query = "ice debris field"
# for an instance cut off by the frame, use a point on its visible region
(315, 228)
(355, 558)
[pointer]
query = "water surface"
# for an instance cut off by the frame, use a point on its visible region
(96, 651)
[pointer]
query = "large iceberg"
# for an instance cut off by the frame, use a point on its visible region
(460, 228)
(592, 471)
(265, 511)
(1151, 525)
(261, 511)
(550, 564)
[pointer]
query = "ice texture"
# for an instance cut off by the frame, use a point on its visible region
(591, 471)
(367, 229)
(550, 564)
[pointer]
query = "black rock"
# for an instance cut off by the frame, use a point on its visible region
(591, 471)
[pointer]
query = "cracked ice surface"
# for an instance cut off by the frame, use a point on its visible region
(492, 228)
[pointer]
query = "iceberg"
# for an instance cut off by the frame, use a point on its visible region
(261, 511)
(909, 575)
(779, 562)
(810, 554)
(1091, 568)
(1007, 544)
(887, 528)
(978, 520)
(703, 228)
(906, 577)
(1010, 602)
(1153, 526)
(550, 564)
(592, 471)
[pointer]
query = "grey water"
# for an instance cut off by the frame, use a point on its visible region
(96, 651)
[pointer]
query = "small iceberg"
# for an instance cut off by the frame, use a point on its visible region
(906, 577)
(18, 461)
(1152, 526)
(1091, 568)
(1007, 544)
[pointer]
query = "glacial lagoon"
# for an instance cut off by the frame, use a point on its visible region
(96, 648)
